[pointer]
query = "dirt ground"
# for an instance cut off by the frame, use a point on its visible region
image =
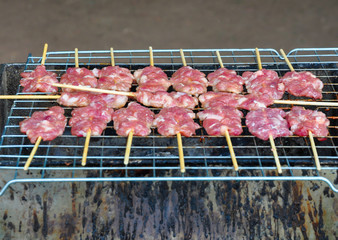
(136, 24)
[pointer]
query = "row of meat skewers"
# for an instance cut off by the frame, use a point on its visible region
(220, 117)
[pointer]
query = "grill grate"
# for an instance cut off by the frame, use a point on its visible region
(155, 158)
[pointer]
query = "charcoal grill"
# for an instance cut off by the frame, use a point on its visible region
(155, 158)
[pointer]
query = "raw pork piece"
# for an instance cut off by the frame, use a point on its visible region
(265, 121)
(225, 80)
(189, 80)
(303, 84)
(302, 121)
(39, 80)
(264, 82)
(94, 117)
(173, 120)
(217, 120)
(45, 124)
(134, 117)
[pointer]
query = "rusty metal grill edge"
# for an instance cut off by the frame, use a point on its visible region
(155, 158)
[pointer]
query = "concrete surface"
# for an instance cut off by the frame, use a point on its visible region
(136, 24)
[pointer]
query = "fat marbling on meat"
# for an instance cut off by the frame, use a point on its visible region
(39, 80)
(173, 120)
(264, 82)
(114, 78)
(303, 84)
(94, 117)
(189, 80)
(217, 120)
(225, 80)
(265, 121)
(45, 124)
(302, 121)
(135, 117)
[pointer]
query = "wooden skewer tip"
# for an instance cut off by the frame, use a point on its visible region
(112, 57)
(180, 152)
(183, 58)
(219, 59)
(31, 156)
(85, 149)
(76, 55)
(44, 54)
(151, 56)
(314, 150)
(275, 154)
(231, 150)
(286, 59)
(259, 61)
(128, 147)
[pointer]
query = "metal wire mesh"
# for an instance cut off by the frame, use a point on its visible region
(155, 158)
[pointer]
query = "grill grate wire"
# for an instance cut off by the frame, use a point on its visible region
(155, 158)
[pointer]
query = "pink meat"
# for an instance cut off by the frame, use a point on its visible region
(248, 102)
(189, 80)
(39, 80)
(253, 102)
(162, 99)
(303, 84)
(74, 99)
(264, 82)
(224, 80)
(78, 77)
(152, 79)
(173, 120)
(265, 121)
(115, 78)
(302, 121)
(110, 100)
(80, 72)
(217, 120)
(134, 117)
(46, 124)
(83, 99)
(184, 100)
(94, 117)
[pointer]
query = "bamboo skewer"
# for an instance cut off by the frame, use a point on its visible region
(259, 61)
(85, 149)
(180, 152)
(272, 142)
(132, 94)
(231, 150)
(314, 150)
(287, 60)
(30, 96)
(179, 137)
(31, 156)
(151, 56)
(275, 154)
(76, 55)
(38, 141)
(128, 147)
(219, 59)
(183, 58)
(227, 135)
(112, 57)
(44, 54)
(313, 145)
(89, 89)
(328, 104)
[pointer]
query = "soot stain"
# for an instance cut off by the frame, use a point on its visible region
(68, 226)
(36, 224)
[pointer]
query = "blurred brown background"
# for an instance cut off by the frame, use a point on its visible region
(136, 24)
